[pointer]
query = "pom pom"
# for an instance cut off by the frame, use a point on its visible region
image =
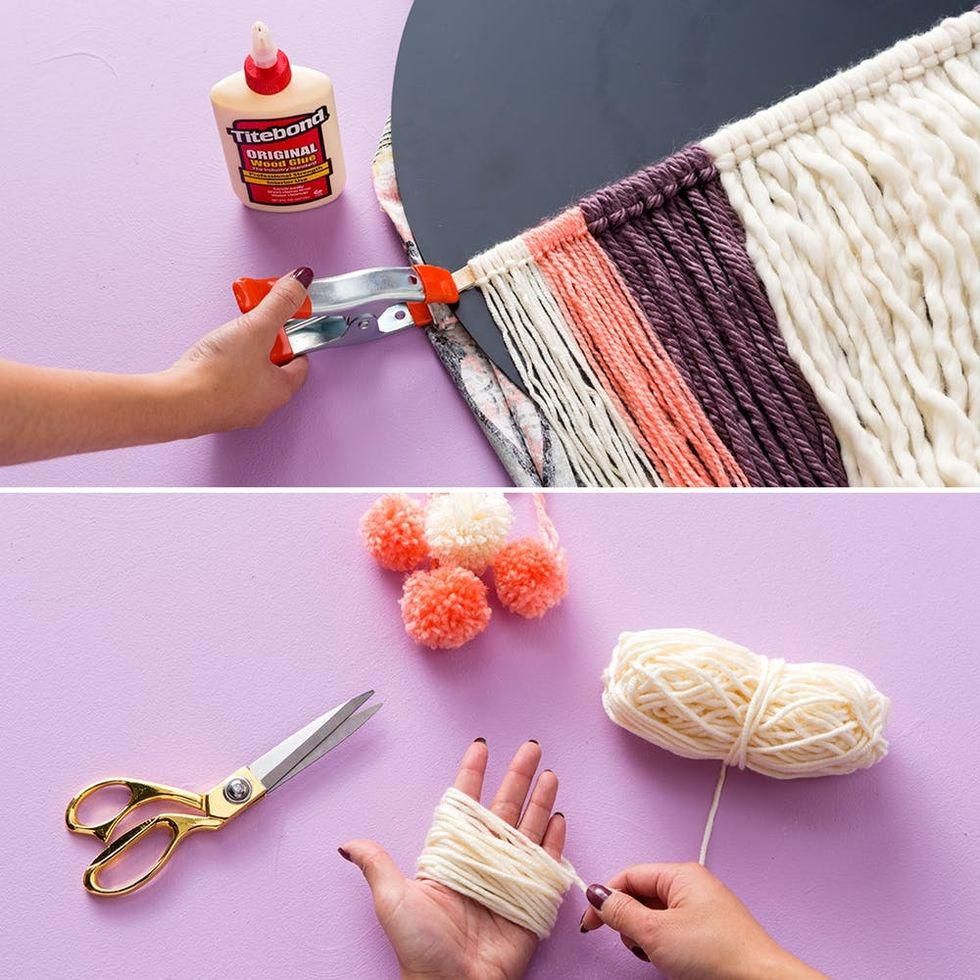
(468, 529)
(531, 577)
(393, 530)
(444, 608)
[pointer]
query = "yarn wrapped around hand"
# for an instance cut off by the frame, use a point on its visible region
(472, 851)
(703, 697)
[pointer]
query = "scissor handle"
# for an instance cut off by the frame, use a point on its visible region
(140, 793)
(177, 825)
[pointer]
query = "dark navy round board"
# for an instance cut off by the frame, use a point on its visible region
(506, 111)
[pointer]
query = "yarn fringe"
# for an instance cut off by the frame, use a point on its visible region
(795, 302)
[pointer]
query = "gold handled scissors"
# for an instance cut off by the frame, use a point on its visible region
(211, 810)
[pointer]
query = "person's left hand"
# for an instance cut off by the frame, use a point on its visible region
(438, 934)
(227, 380)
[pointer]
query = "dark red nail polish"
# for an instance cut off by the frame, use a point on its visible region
(480, 739)
(639, 954)
(303, 275)
(581, 923)
(343, 854)
(536, 742)
(597, 895)
(558, 813)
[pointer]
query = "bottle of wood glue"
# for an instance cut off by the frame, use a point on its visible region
(278, 127)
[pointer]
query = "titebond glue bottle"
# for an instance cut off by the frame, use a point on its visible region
(278, 128)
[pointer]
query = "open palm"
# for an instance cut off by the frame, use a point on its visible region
(437, 933)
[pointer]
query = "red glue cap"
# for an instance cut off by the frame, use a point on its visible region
(267, 69)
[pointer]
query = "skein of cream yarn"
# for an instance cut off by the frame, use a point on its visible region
(703, 697)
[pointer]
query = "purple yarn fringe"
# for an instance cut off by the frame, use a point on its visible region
(679, 245)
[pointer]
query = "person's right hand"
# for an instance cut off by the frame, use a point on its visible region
(682, 919)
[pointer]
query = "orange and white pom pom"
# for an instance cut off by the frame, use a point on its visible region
(531, 574)
(393, 531)
(468, 529)
(445, 607)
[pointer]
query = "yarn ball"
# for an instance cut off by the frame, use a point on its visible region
(445, 607)
(703, 697)
(468, 529)
(393, 531)
(531, 577)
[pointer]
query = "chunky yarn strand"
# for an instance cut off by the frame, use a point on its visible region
(861, 199)
(471, 851)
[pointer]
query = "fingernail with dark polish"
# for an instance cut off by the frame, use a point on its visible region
(639, 954)
(343, 854)
(303, 275)
(536, 742)
(558, 813)
(480, 739)
(581, 923)
(597, 895)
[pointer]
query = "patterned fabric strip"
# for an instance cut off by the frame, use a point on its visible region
(680, 248)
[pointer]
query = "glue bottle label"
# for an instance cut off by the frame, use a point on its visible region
(283, 162)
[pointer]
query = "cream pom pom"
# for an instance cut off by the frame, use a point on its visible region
(468, 529)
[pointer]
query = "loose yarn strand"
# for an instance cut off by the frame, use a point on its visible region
(709, 824)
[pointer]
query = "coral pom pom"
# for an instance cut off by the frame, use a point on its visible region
(444, 608)
(393, 530)
(468, 529)
(531, 577)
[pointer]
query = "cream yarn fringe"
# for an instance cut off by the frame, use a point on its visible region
(703, 697)
(600, 446)
(476, 854)
(861, 199)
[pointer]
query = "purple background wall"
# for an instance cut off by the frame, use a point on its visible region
(120, 238)
(139, 629)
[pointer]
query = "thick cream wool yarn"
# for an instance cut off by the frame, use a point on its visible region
(861, 200)
(703, 697)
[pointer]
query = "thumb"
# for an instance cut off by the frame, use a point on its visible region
(621, 912)
(281, 302)
(379, 870)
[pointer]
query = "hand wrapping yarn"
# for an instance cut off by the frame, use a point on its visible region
(472, 851)
(703, 697)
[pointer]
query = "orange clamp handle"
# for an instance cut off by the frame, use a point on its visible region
(439, 287)
(250, 292)
(282, 351)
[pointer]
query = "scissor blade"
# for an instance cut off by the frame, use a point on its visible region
(332, 741)
(277, 763)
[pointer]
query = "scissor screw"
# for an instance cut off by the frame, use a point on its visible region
(237, 790)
